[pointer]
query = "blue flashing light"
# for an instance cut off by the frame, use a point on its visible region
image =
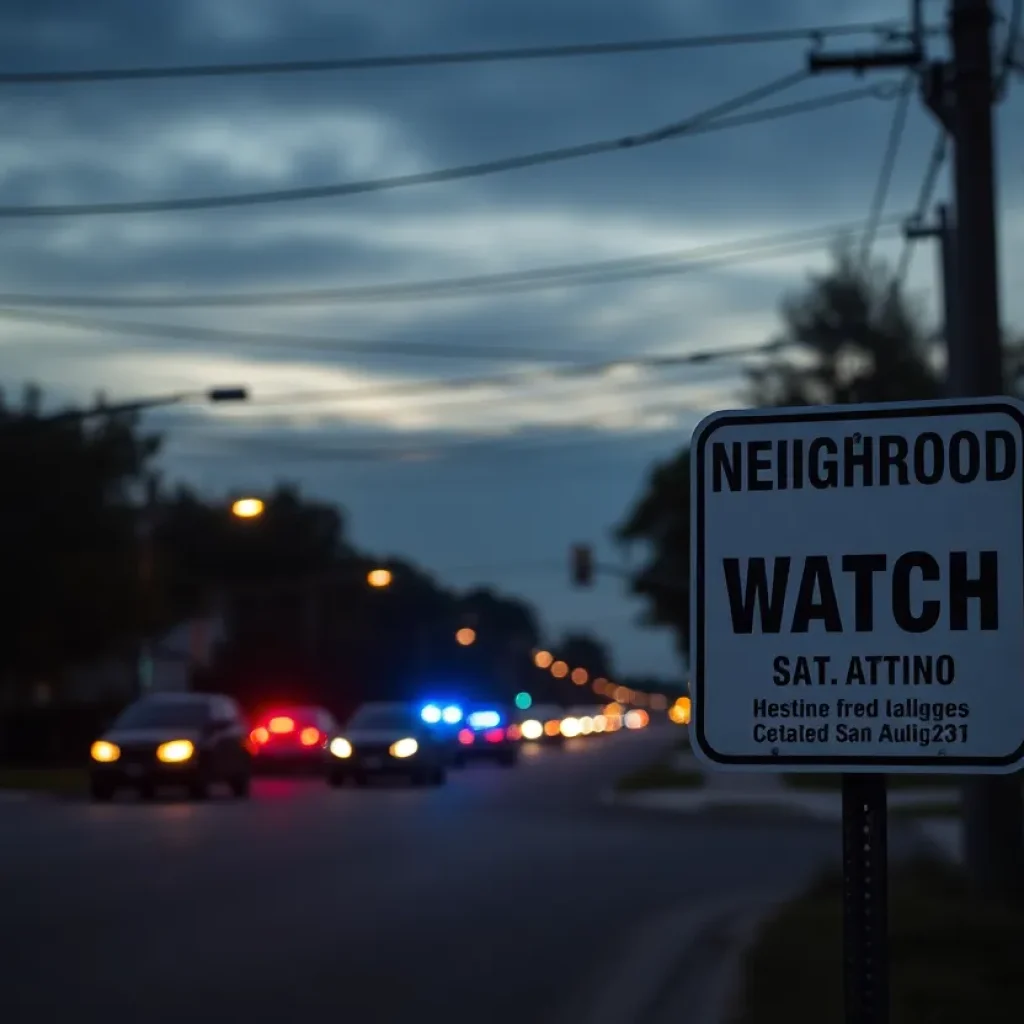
(431, 714)
(452, 714)
(484, 720)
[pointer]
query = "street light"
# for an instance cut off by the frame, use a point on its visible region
(247, 508)
(214, 396)
(465, 636)
(579, 676)
(379, 578)
(559, 670)
(543, 659)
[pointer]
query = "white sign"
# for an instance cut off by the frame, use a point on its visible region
(858, 588)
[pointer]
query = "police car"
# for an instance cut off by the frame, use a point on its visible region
(488, 733)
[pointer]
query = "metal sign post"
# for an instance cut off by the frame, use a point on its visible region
(865, 900)
(858, 608)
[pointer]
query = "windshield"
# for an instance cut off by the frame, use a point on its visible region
(158, 714)
(381, 718)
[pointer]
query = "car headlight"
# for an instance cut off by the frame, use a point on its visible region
(341, 747)
(175, 751)
(105, 752)
(404, 748)
(532, 729)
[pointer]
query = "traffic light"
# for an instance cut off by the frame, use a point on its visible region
(582, 565)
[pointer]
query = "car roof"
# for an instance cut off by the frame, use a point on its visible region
(177, 698)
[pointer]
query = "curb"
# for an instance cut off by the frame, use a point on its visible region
(639, 982)
(710, 989)
(704, 802)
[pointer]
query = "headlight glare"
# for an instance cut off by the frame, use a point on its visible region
(404, 748)
(341, 747)
(175, 751)
(105, 752)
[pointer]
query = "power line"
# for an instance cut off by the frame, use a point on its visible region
(263, 339)
(413, 450)
(536, 278)
(490, 56)
(706, 121)
(581, 370)
(924, 199)
(444, 385)
(892, 147)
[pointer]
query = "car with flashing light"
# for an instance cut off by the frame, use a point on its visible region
(489, 733)
(192, 740)
(542, 723)
(292, 739)
(444, 718)
(388, 739)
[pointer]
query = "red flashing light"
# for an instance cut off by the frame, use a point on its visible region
(466, 737)
(281, 724)
(309, 737)
(494, 735)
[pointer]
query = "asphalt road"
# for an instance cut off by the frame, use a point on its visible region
(493, 899)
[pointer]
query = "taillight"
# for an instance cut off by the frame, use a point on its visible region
(466, 737)
(281, 724)
(259, 736)
(309, 737)
(494, 735)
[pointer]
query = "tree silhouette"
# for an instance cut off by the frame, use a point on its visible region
(68, 538)
(849, 335)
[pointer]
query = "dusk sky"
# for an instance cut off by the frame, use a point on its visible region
(480, 484)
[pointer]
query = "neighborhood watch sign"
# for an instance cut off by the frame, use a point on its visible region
(858, 588)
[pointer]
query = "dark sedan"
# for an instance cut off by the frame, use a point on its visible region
(388, 739)
(191, 740)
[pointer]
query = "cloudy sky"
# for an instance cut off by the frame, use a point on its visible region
(482, 482)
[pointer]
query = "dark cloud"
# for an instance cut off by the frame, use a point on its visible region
(528, 496)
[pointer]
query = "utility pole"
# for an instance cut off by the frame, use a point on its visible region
(943, 230)
(960, 93)
(147, 579)
(963, 96)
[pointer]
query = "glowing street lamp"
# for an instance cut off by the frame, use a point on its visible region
(543, 659)
(579, 676)
(559, 670)
(465, 636)
(247, 508)
(379, 578)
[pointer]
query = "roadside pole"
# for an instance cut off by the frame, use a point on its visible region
(993, 808)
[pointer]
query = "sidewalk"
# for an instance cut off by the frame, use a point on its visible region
(768, 793)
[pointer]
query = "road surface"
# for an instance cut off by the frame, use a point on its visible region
(492, 899)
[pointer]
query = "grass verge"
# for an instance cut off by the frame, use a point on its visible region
(59, 781)
(952, 958)
(660, 775)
